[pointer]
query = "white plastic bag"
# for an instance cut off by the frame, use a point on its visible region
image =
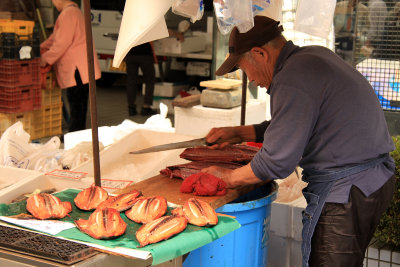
(193, 9)
(80, 153)
(239, 13)
(159, 121)
(315, 17)
(16, 151)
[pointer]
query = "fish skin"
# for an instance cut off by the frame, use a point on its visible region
(147, 209)
(160, 229)
(199, 212)
(90, 198)
(103, 224)
(231, 153)
(44, 206)
(121, 202)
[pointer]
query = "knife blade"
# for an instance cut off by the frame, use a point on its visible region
(185, 144)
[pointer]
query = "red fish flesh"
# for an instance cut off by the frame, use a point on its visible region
(103, 224)
(160, 229)
(199, 213)
(231, 153)
(121, 202)
(203, 184)
(45, 206)
(147, 209)
(90, 198)
(185, 170)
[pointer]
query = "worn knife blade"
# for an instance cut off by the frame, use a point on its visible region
(183, 144)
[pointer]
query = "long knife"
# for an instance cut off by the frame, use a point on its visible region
(185, 144)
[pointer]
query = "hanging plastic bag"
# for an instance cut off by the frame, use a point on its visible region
(315, 17)
(239, 13)
(193, 9)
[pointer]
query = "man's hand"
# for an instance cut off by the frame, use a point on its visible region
(43, 63)
(220, 133)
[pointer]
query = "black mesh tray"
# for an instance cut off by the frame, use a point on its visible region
(43, 246)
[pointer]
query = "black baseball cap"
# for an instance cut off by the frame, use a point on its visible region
(264, 30)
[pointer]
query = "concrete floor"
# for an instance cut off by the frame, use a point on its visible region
(112, 106)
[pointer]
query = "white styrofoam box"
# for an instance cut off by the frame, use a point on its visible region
(167, 89)
(10, 176)
(299, 206)
(198, 68)
(172, 45)
(284, 252)
(198, 120)
(117, 164)
(41, 182)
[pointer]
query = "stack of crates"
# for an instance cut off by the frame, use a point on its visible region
(20, 79)
(47, 121)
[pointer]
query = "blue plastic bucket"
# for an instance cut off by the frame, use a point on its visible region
(246, 246)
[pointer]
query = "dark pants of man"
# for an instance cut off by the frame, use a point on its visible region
(146, 64)
(78, 101)
(344, 231)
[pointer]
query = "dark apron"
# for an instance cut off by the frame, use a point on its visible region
(319, 185)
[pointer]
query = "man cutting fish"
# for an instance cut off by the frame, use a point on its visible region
(325, 118)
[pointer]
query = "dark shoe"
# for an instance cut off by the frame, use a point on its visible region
(132, 111)
(147, 112)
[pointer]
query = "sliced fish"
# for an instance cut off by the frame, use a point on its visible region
(121, 202)
(45, 206)
(103, 224)
(90, 198)
(199, 212)
(160, 229)
(147, 209)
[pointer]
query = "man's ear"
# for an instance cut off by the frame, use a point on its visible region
(259, 54)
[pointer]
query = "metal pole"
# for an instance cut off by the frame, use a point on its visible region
(92, 92)
(244, 94)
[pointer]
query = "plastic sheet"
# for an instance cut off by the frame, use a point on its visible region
(193, 9)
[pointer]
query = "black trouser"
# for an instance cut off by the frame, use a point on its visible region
(344, 231)
(146, 64)
(78, 101)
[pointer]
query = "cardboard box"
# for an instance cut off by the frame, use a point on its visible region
(172, 45)
(198, 120)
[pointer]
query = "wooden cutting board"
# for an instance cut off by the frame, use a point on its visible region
(169, 188)
(226, 84)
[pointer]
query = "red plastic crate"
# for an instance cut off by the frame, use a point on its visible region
(16, 73)
(20, 99)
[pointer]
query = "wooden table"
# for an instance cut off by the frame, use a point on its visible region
(162, 185)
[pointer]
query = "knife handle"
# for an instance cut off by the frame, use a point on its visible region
(233, 140)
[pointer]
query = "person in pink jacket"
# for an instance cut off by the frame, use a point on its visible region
(65, 50)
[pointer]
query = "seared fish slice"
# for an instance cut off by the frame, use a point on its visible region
(147, 209)
(199, 212)
(45, 206)
(103, 224)
(160, 229)
(90, 198)
(121, 202)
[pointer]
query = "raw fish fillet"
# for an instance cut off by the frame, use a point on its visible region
(147, 209)
(103, 224)
(185, 170)
(90, 198)
(231, 153)
(199, 212)
(45, 206)
(160, 229)
(121, 202)
(203, 184)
